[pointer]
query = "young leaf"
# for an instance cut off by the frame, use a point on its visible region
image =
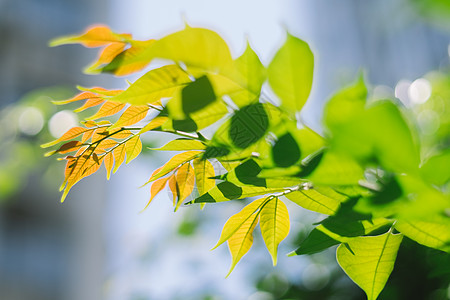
(182, 144)
(204, 171)
(131, 116)
(133, 147)
(274, 223)
(78, 97)
(154, 85)
(90, 103)
(109, 108)
(173, 186)
(236, 221)
(155, 123)
(106, 56)
(291, 73)
(185, 183)
(157, 186)
(109, 162)
(119, 155)
(434, 235)
(70, 134)
(323, 200)
(95, 36)
(174, 162)
(369, 260)
(241, 241)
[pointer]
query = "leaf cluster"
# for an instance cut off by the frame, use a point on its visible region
(366, 174)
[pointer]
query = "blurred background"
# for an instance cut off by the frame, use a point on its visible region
(97, 245)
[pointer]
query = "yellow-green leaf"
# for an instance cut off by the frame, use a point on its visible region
(274, 223)
(109, 162)
(174, 162)
(182, 145)
(131, 115)
(109, 108)
(291, 73)
(155, 123)
(133, 147)
(203, 171)
(185, 182)
(119, 155)
(369, 260)
(236, 221)
(154, 85)
(323, 200)
(435, 235)
(241, 241)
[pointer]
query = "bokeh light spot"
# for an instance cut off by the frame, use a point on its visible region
(61, 122)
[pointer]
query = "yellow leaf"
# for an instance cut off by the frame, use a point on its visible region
(78, 97)
(101, 91)
(157, 187)
(182, 144)
(203, 171)
(236, 221)
(119, 156)
(185, 183)
(95, 36)
(155, 123)
(90, 103)
(274, 225)
(131, 115)
(174, 188)
(133, 147)
(241, 241)
(106, 56)
(109, 162)
(174, 162)
(109, 108)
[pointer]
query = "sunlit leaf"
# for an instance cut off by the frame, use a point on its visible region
(106, 56)
(173, 188)
(435, 235)
(109, 162)
(119, 155)
(131, 116)
(70, 134)
(369, 261)
(155, 123)
(109, 108)
(323, 200)
(154, 85)
(435, 168)
(291, 73)
(90, 103)
(94, 36)
(157, 186)
(182, 144)
(78, 97)
(203, 171)
(133, 147)
(174, 162)
(274, 223)
(185, 183)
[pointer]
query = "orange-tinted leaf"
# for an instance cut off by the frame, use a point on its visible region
(105, 145)
(86, 136)
(95, 36)
(119, 155)
(109, 108)
(106, 56)
(157, 187)
(121, 134)
(91, 123)
(109, 162)
(70, 134)
(133, 147)
(78, 97)
(90, 103)
(174, 163)
(173, 188)
(185, 181)
(100, 91)
(131, 115)
(69, 147)
(124, 63)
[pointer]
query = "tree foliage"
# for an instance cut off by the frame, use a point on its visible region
(367, 173)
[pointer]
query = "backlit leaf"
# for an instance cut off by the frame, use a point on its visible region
(203, 171)
(78, 97)
(90, 103)
(70, 134)
(323, 200)
(157, 186)
(182, 144)
(133, 147)
(109, 108)
(155, 123)
(154, 85)
(119, 155)
(274, 223)
(174, 162)
(109, 162)
(435, 235)
(369, 261)
(185, 182)
(106, 56)
(291, 73)
(131, 116)
(241, 241)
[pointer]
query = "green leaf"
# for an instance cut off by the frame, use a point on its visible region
(435, 169)
(204, 171)
(431, 234)
(182, 144)
(154, 85)
(316, 241)
(286, 151)
(369, 261)
(237, 220)
(291, 73)
(274, 223)
(323, 200)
